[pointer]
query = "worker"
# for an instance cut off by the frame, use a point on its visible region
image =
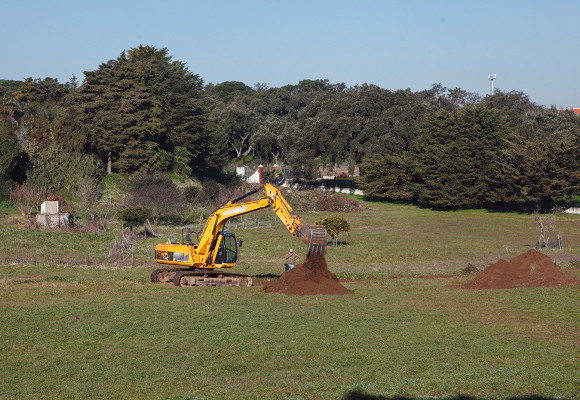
(290, 260)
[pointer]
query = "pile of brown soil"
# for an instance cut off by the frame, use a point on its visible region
(530, 269)
(312, 277)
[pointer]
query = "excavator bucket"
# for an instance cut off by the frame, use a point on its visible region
(315, 238)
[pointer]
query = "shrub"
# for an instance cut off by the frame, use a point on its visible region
(337, 203)
(26, 198)
(112, 180)
(302, 200)
(58, 170)
(163, 201)
(63, 205)
(133, 217)
(192, 194)
(315, 200)
(89, 192)
(216, 194)
(134, 182)
(9, 153)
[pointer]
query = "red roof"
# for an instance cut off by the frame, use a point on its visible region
(574, 110)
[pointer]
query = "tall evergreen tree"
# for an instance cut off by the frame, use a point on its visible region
(9, 152)
(387, 177)
(454, 157)
(141, 106)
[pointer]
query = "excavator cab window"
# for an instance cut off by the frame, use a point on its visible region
(231, 248)
(228, 249)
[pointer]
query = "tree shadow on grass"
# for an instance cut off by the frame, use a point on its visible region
(361, 395)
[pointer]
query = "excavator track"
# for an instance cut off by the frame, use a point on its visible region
(210, 278)
(164, 275)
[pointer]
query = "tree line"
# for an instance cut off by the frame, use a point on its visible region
(146, 112)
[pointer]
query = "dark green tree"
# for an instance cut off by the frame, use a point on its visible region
(8, 87)
(143, 104)
(387, 177)
(42, 92)
(346, 126)
(538, 172)
(9, 152)
(228, 91)
(134, 217)
(237, 121)
(453, 159)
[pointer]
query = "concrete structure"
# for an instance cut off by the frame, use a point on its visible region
(247, 175)
(51, 217)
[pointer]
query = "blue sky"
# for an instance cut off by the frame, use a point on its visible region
(532, 46)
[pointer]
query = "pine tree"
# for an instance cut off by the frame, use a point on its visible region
(453, 157)
(142, 105)
(387, 177)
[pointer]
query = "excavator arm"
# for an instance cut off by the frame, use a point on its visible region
(314, 236)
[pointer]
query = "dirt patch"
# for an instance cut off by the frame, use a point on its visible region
(530, 269)
(312, 277)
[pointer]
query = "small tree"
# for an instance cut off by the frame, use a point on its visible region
(546, 226)
(89, 192)
(26, 198)
(133, 217)
(335, 226)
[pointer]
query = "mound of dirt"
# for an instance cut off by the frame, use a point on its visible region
(312, 277)
(530, 269)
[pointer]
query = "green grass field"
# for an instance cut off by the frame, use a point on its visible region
(75, 326)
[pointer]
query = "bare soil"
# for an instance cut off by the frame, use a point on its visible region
(530, 269)
(312, 277)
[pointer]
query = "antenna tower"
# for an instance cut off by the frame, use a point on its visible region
(491, 77)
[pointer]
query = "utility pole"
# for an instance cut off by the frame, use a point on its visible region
(491, 77)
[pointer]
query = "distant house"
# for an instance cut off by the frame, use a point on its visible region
(574, 110)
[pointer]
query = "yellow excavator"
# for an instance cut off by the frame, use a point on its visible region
(200, 264)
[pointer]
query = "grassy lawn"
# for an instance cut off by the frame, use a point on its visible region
(93, 330)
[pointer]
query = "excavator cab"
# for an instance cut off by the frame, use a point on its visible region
(226, 250)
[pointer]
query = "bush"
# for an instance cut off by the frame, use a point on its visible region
(315, 200)
(164, 202)
(192, 194)
(26, 198)
(57, 170)
(133, 217)
(9, 153)
(134, 182)
(63, 205)
(215, 194)
(335, 226)
(337, 203)
(302, 200)
(112, 180)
